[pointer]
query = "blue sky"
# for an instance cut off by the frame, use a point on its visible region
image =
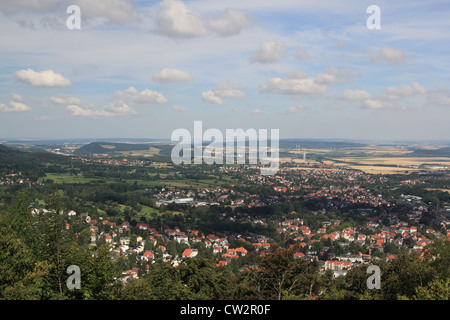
(141, 69)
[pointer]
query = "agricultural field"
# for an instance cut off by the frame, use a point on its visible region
(373, 159)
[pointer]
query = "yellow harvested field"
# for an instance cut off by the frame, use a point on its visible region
(383, 170)
(401, 161)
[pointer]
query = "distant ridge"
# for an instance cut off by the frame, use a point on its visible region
(13, 158)
(318, 144)
(109, 148)
(442, 152)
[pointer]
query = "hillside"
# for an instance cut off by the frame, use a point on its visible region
(14, 159)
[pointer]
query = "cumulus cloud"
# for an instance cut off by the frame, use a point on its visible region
(229, 23)
(295, 109)
(439, 97)
(293, 86)
(299, 83)
(119, 107)
(87, 112)
(175, 19)
(46, 78)
(172, 76)
(148, 96)
(384, 100)
(210, 97)
(113, 109)
(63, 99)
(332, 75)
(179, 108)
(374, 104)
(355, 95)
(228, 90)
(145, 96)
(223, 90)
(116, 11)
(15, 105)
(126, 94)
(390, 55)
(257, 111)
(16, 97)
(269, 51)
(394, 93)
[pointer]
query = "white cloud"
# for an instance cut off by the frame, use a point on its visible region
(117, 11)
(269, 51)
(145, 96)
(172, 76)
(16, 97)
(374, 104)
(118, 107)
(179, 108)
(295, 109)
(257, 111)
(383, 101)
(87, 113)
(148, 96)
(126, 94)
(175, 19)
(14, 106)
(47, 78)
(293, 86)
(113, 109)
(299, 83)
(211, 97)
(439, 97)
(393, 93)
(355, 95)
(333, 75)
(63, 99)
(228, 90)
(391, 55)
(223, 90)
(229, 23)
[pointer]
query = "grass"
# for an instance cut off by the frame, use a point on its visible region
(66, 178)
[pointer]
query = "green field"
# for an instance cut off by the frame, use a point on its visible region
(181, 183)
(66, 178)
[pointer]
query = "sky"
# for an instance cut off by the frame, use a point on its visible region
(142, 69)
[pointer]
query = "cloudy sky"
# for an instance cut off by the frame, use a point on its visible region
(141, 69)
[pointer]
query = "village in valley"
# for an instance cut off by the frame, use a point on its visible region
(339, 217)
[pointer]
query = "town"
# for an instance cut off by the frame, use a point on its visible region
(347, 218)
